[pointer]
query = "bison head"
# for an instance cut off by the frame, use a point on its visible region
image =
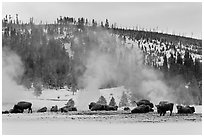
(92, 104)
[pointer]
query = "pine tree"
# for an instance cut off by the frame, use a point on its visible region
(186, 58)
(179, 59)
(171, 62)
(102, 24)
(198, 69)
(112, 102)
(189, 66)
(102, 100)
(174, 68)
(123, 100)
(107, 24)
(94, 23)
(86, 22)
(165, 66)
(179, 64)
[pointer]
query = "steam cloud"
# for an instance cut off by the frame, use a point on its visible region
(12, 70)
(107, 58)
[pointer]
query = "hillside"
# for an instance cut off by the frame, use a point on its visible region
(83, 56)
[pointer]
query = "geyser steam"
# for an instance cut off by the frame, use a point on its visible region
(12, 70)
(107, 58)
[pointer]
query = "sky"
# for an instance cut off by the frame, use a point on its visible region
(179, 17)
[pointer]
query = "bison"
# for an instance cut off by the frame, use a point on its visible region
(67, 108)
(142, 109)
(5, 112)
(145, 102)
(164, 106)
(44, 109)
(54, 108)
(92, 104)
(185, 109)
(126, 109)
(99, 107)
(110, 108)
(72, 109)
(15, 110)
(23, 105)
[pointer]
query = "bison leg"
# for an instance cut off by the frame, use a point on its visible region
(61, 110)
(160, 113)
(30, 110)
(170, 113)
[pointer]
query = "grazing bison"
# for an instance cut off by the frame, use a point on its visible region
(15, 110)
(63, 109)
(185, 109)
(92, 104)
(142, 109)
(54, 108)
(23, 105)
(164, 106)
(145, 102)
(72, 109)
(126, 108)
(5, 112)
(44, 109)
(67, 108)
(99, 107)
(110, 108)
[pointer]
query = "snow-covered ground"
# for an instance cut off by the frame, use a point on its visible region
(93, 128)
(86, 122)
(51, 97)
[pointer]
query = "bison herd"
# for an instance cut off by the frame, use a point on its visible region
(143, 106)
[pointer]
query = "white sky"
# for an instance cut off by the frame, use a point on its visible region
(178, 17)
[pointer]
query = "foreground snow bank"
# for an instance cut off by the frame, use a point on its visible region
(81, 128)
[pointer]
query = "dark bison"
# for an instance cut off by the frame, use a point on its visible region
(111, 108)
(185, 109)
(164, 106)
(145, 102)
(67, 108)
(15, 110)
(44, 109)
(142, 109)
(23, 105)
(54, 108)
(91, 105)
(5, 112)
(99, 107)
(126, 108)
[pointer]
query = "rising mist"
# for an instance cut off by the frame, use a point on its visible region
(108, 58)
(12, 71)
